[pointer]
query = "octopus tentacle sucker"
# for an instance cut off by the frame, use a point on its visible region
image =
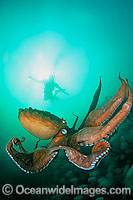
(92, 132)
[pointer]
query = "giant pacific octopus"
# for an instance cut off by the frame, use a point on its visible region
(94, 130)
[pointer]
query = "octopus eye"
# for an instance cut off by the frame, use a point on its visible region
(64, 131)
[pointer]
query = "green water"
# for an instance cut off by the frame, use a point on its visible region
(77, 41)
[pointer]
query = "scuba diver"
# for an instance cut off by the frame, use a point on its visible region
(51, 89)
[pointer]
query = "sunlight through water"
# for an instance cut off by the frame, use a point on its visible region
(41, 56)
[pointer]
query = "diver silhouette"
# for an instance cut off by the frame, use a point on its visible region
(51, 88)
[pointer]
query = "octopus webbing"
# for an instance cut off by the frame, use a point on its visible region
(92, 132)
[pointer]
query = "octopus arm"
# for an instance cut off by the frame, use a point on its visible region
(100, 115)
(88, 135)
(85, 162)
(93, 104)
(91, 135)
(30, 162)
(119, 117)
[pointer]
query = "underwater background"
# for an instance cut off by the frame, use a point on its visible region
(77, 41)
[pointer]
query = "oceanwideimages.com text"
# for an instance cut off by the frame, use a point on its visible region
(8, 189)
